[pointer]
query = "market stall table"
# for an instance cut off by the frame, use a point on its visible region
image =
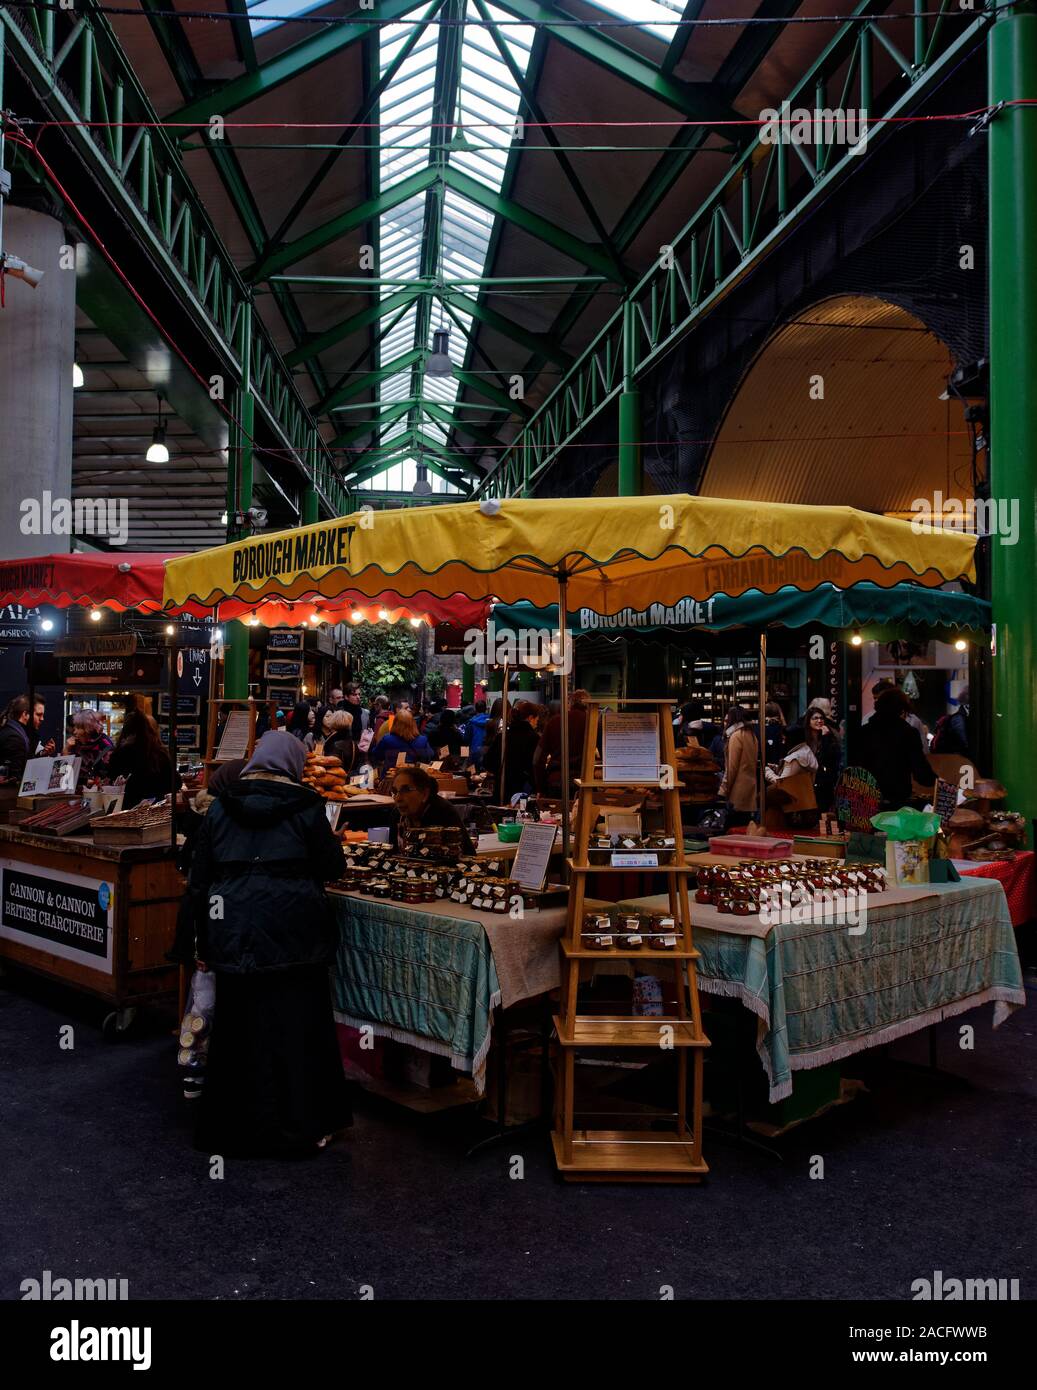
(821, 994)
(1017, 877)
(95, 917)
(433, 976)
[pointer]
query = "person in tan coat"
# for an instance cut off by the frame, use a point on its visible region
(738, 786)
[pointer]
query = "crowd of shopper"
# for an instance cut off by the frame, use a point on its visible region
(802, 761)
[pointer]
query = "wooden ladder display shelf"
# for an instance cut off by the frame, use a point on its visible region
(647, 1155)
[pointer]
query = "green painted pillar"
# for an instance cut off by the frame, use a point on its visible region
(467, 682)
(527, 680)
(1012, 201)
(631, 477)
(310, 507)
(309, 510)
(239, 499)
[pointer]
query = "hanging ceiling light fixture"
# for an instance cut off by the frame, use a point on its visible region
(438, 362)
(422, 486)
(157, 450)
(77, 376)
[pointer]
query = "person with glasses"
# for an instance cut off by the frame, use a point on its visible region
(417, 804)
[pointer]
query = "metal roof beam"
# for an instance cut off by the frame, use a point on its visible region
(338, 331)
(294, 62)
(369, 380)
(341, 226)
(696, 100)
(535, 342)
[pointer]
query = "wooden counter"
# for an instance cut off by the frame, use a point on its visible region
(95, 917)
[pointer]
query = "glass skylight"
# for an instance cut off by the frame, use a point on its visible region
(649, 15)
(257, 9)
(488, 102)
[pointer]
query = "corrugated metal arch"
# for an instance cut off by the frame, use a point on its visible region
(878, 438)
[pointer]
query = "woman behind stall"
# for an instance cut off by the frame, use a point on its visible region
(338, 738)
(816, 734)
(404, 738)
(738, 785)
(302, 721)
(418, 805)
(140, 757)
(274, 1084)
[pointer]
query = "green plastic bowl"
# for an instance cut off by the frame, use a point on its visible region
(509, 834)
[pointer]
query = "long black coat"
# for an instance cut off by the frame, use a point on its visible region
(262, 856)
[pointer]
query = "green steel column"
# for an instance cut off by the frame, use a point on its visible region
(467, 682)
(309, 512)
(527, 680)
(1013, 399)
(631, 478)
(239, 498)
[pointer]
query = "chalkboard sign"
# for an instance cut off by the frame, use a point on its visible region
(945, 800)
(856, 798)
(283, 670)
(284, 639)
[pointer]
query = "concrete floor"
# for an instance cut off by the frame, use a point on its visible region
(925, 1172)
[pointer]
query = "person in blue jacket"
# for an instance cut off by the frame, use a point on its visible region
(476, 731)
(404, 738)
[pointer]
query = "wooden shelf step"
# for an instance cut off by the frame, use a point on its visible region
(584, 1031)
(645, 953)
(583, 784)
(688, 869)
(616, 1155)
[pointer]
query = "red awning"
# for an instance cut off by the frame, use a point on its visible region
(122, 581)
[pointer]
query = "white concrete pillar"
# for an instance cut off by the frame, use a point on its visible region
(37, 343)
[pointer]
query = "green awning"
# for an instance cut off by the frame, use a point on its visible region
(828, 606)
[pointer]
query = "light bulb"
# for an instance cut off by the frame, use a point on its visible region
(383, 614)
(157, 451)
(856, 640)
(95, 615)
(46, 625)
(170, 630)
(77, 376)
(415, 622)
(253, 621)
(356, 616)
(960, 645)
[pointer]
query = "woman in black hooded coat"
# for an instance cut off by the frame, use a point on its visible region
(274, 1082)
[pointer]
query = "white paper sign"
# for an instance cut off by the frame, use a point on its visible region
(530, 865)
(333, 809)
(621, 860)
(50, 776)
(631, 748)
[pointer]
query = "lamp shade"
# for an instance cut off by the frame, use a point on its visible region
(438, 362)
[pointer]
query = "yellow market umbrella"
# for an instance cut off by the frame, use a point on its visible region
(603, 553)
(612, 552)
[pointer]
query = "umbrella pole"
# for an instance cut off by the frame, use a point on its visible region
(762, 715)
(563, 620)
(503, 732)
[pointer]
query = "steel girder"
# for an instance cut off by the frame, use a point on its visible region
(78, 72)
(750, 212)
(696, 100)
(294, 62)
